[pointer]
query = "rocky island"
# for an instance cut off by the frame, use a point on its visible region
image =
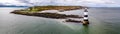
(36, 11)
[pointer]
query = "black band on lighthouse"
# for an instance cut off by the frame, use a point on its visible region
(85, 15)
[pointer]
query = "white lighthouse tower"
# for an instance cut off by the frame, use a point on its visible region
(85, 17)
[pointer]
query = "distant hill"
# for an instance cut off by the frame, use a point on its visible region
(11, 6)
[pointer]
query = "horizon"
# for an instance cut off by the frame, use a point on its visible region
(88, 3)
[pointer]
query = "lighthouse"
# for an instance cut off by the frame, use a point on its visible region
(85, 17)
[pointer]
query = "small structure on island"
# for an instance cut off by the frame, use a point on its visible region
(85, 17)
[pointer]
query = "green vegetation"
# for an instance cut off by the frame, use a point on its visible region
(60, 8)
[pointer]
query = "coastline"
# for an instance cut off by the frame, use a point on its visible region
(33, 12)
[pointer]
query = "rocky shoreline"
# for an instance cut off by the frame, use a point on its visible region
(71, 20)
(47, 15)
(35, 11)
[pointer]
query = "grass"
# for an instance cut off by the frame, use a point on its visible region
(42, 8)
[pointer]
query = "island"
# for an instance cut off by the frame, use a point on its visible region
(37, 11)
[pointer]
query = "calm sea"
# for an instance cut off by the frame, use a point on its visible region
(102, 21)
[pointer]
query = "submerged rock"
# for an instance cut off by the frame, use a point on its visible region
(75, 21)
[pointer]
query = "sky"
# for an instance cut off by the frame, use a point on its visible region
(90, 3)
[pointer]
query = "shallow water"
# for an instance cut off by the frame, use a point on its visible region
(101, 22)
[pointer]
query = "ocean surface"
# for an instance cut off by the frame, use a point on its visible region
(102, 21)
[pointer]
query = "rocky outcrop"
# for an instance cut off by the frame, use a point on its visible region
(37, 11)
(47, 15)
(70, 20)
